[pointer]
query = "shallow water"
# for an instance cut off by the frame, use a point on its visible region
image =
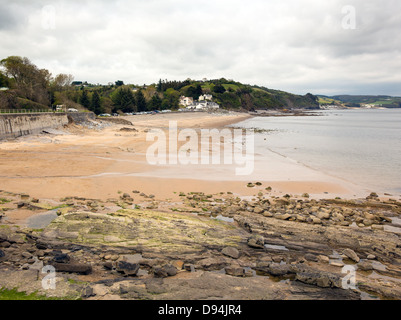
(361, 146)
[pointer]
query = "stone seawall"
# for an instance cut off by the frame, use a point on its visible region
(17, 125)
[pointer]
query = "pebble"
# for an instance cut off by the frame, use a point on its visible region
(325, 259)
(337, 264)
(352, 255)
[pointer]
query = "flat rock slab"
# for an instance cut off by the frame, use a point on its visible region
(148, 230)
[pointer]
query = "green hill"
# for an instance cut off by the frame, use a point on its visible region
(360, 100)
(235, 95)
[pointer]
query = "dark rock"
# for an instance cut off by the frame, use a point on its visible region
(21, 204)
(311, 257)
(88, 292)
(129, 269)
(41, 246)
(165, 271)
(160, 272)
(73, 268)
(108, 265)
(171, 270)
(5, 244)
(189, 267)
(2, 254)
(61, 258)
(320, 279)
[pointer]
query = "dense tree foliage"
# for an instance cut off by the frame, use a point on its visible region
(140, 101)
(95, 105)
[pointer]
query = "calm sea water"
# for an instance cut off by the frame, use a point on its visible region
(362, 146)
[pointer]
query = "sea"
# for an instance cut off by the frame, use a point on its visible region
(362, 146)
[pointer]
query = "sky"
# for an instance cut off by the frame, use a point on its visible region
(300, 46)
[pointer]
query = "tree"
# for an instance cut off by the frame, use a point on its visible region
(62, 81)
(172, 98)
(84, 100)
(124, 100)
(160, 86)
(119, 83)
(29, 81)
(4, 80)
(194, 91)
(155, 103)
(95, 103)
(218, 88)
(140, 101)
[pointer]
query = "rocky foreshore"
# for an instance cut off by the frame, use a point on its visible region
(205, 246)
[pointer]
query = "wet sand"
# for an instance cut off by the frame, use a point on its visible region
(102, 164)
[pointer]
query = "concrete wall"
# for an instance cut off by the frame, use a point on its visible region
(17, 125)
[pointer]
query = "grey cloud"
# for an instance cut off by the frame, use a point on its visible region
(294, 45)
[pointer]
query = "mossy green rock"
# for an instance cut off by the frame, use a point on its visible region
(145, 229)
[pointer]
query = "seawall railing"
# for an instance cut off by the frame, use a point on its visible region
(24, 111)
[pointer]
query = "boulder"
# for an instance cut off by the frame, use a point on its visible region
(209, 264)
(322, 215)
(73, 268)
(365, 266)
(257, 242)
(352, 255)
(320, 279)
(284, 216)
(128, 269)
(278, 270)
(258, 210)
(108, 266)
(88, 292)
(231, 252)
(170, 269)
(235, 271)
(61, 258)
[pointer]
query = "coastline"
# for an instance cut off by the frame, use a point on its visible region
(98, 164)
(113, 226)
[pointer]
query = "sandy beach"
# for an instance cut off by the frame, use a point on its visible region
(86, 200)
(99, 164)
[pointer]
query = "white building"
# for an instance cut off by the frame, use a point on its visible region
(206, 97)
(203, 105)
(186, 101)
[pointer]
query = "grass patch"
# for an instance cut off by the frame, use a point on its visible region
(4, 200)
(6, 294)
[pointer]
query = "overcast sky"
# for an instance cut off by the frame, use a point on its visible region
(298, 46)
